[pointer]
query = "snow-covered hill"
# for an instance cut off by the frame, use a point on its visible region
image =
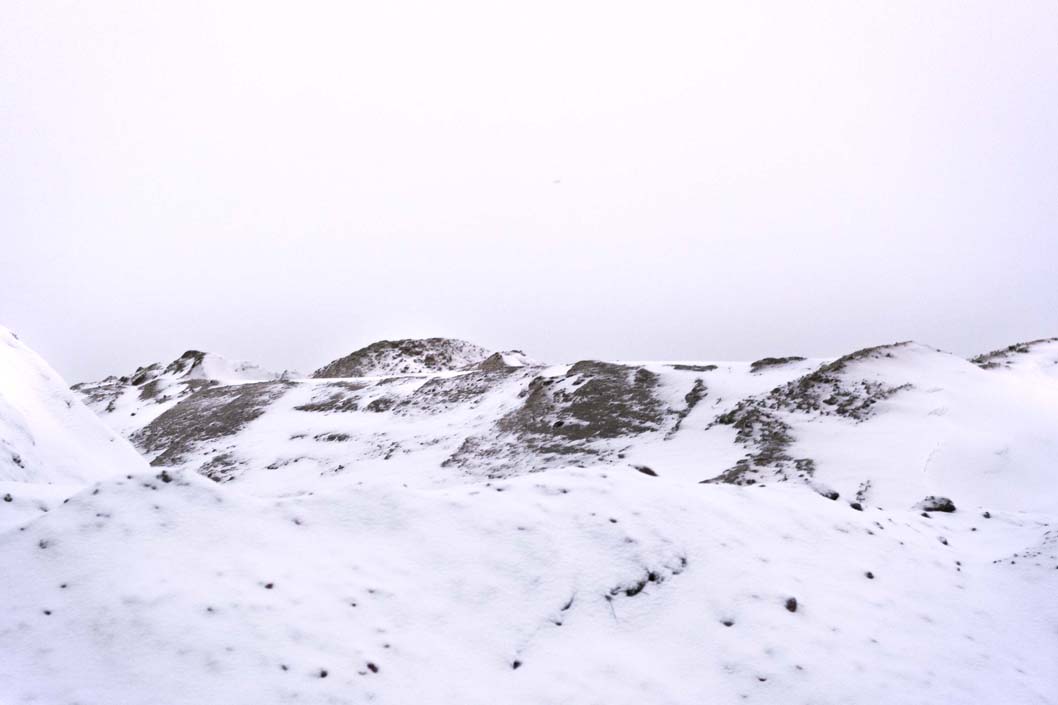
(46, 433)
(501, 530)
(891, 424)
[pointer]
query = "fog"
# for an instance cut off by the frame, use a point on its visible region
(285, 183)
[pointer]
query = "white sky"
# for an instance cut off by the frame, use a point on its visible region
(285, 183)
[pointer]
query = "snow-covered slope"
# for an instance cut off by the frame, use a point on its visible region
(46, 433)
(569, 586)
(892, 424)
(130, 402)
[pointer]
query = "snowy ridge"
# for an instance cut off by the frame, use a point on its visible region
(403, 357)
(130, 402)
(933, 423)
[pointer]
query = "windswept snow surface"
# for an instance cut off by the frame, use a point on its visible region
(568, 586)
(46, 433)
(519, 533)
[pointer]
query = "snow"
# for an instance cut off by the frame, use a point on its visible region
(982, 436)
(452, 586)
(220, 368)
(46, 433)
(345, 545)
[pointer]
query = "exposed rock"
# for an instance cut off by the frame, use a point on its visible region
(693, 368)
(569, 418)
(336, 397)
(1003, 356)
(763, 363)
(692, 399)
(828, 391)
(506, 361)
(206, 415)
(936, 504)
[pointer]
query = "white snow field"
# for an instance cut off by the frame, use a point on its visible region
(47, 435)
(508, 532)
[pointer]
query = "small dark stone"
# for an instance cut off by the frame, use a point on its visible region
(323, 673)
(791, 604)
(857, 506)
(558, 424)
(987, 515)
(164, 476)
(516, 664)
(48, 612)
(645, 470)
(870, 575)
(372, 667)
(269, 586)
(284, 667)
(8, 497)
(944, 540)
(728, 623)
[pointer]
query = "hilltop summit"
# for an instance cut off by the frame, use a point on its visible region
(405, 357)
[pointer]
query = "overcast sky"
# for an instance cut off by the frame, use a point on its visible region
(284, 183)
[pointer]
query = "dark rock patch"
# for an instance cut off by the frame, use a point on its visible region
(766, 362)
(934, 503)
(693, 368)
